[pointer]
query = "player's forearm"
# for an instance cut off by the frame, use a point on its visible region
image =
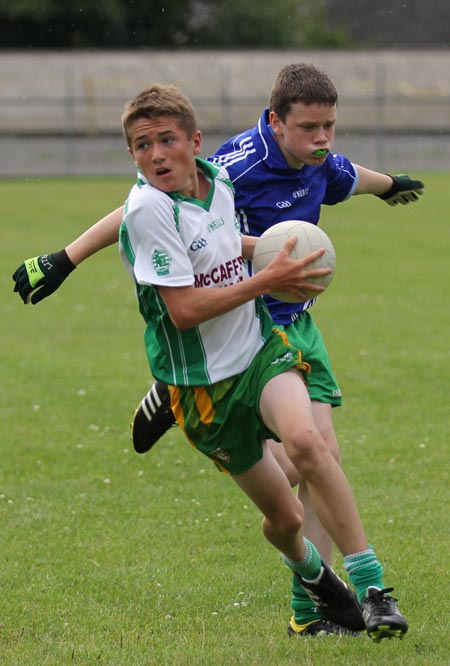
(248, 247)
(191, 306)
(103, 233)
(372, 182)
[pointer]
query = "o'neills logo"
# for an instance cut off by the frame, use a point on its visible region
(226, 272)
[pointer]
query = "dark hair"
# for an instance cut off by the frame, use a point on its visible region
(304, 84)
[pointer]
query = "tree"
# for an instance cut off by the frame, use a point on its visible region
(76, 24)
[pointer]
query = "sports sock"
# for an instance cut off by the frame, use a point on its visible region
(311, 564)
(304, 609)
(364, 570)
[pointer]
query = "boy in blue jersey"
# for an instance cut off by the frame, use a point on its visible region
(281, 169)
(284, 169)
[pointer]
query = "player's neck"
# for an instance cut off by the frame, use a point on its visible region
(203, 185)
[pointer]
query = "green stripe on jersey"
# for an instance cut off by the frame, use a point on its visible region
(177, 356)
(125, 241)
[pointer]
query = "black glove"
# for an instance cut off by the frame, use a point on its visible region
(403, 190)
(39, 277)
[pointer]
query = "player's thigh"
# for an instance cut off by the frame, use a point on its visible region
(269, 489)
(323, 420)
(285, 406)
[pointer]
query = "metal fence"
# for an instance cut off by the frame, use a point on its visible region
(73, 127)
(70, 151)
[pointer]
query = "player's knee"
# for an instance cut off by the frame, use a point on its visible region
(307, 450)
(285, 523)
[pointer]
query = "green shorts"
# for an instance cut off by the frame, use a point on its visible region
(303, 334)
(223, 420)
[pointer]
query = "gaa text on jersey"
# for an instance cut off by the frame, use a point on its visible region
(283, 204)
(198, 244)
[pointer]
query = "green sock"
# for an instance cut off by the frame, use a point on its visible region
(311, 564)
(304, 609)
(364, 570)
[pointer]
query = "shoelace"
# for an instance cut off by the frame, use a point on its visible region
(381, 597)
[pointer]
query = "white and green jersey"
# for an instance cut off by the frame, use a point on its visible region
(174, 241)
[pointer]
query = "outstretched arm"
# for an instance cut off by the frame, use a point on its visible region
(40, 276)
(391, 189)
(103, 233)
(371, 182)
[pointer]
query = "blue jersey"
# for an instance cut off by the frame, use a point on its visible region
(268, 191)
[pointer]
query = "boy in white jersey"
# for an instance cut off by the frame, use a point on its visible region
(233, 381)
(367, 557)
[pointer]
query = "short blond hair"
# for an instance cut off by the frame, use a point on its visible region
(160, 100)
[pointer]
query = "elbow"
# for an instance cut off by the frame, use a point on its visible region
(183, 324)
(182, 320)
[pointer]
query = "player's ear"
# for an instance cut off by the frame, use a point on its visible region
(197, 141)
(275, 122)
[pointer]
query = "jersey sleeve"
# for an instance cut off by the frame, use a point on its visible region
(158, 254)
(342, 179)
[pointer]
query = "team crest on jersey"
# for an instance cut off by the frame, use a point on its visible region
(161, 262)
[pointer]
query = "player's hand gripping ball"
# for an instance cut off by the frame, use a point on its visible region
(309, 238)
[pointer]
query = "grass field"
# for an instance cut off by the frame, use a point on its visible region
(108, 557)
